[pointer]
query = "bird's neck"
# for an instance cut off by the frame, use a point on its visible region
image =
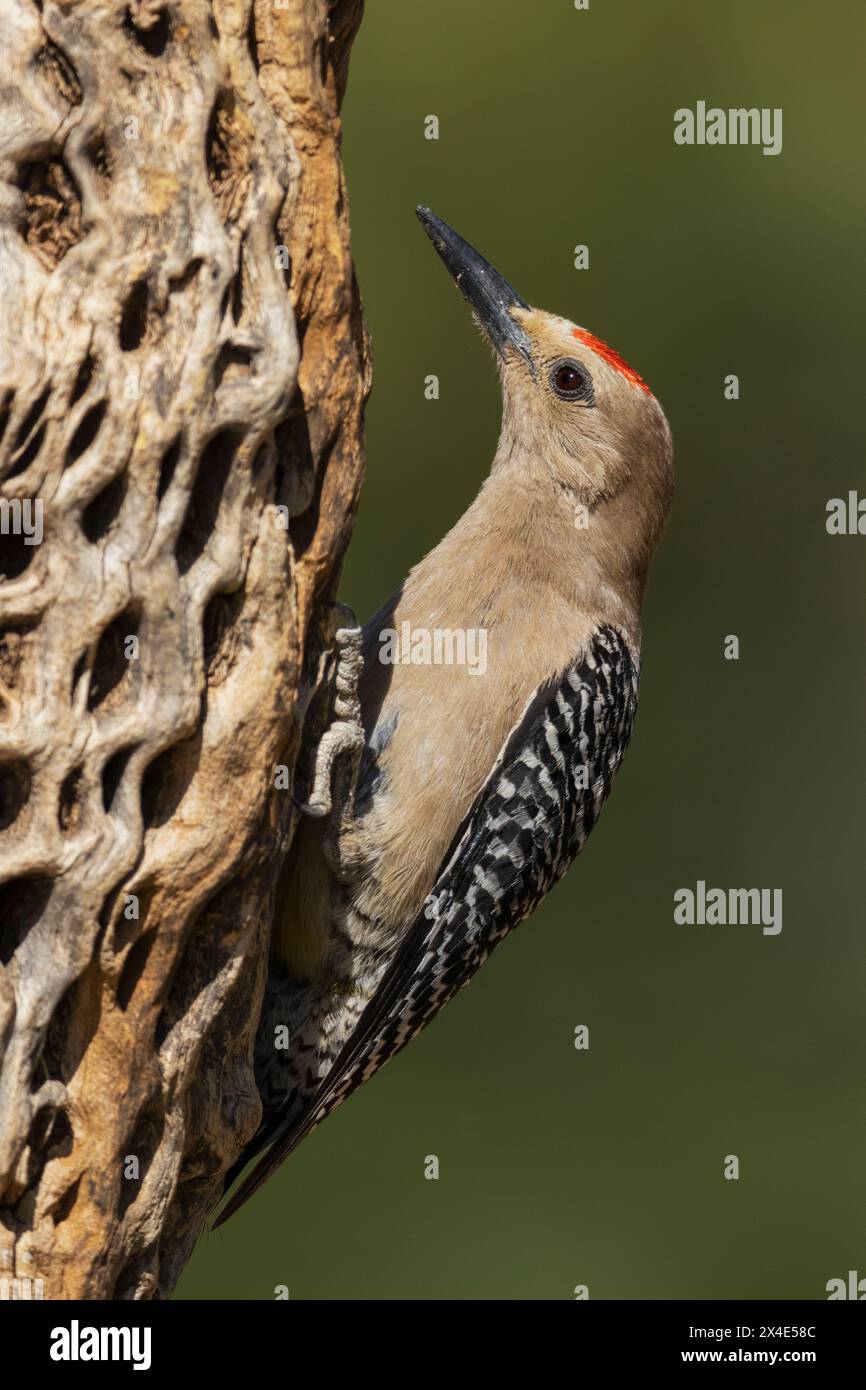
(521, 545)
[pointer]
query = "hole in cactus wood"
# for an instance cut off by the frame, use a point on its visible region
(112, 776)
(22, 903)
(15, 556)
(115, 657)
(69, 807)
(14, 791)
(86, 433)
(167, 466)
(51, 224)
(101, 513)
(134, 967)
(203, 509)
(166, 781)
(154, 39)
(133, 323)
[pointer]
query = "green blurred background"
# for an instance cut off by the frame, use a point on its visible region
(605, 1167)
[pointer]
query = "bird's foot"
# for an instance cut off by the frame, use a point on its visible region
(342, 743)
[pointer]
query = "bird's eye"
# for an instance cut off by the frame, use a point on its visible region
(572, 382)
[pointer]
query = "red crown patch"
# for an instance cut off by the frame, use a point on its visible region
(618, 363)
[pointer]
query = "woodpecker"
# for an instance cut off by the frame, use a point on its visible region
(444, 806)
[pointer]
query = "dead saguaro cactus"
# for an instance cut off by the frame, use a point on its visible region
(183, 368)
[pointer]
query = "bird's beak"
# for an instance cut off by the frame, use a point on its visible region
(490, 295)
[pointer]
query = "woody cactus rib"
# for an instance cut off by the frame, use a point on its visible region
(182, 367)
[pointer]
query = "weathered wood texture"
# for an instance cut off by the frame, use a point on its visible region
(166, 387)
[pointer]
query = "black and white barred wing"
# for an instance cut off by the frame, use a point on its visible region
(525, 827)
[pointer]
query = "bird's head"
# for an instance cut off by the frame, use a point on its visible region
(572, 407)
